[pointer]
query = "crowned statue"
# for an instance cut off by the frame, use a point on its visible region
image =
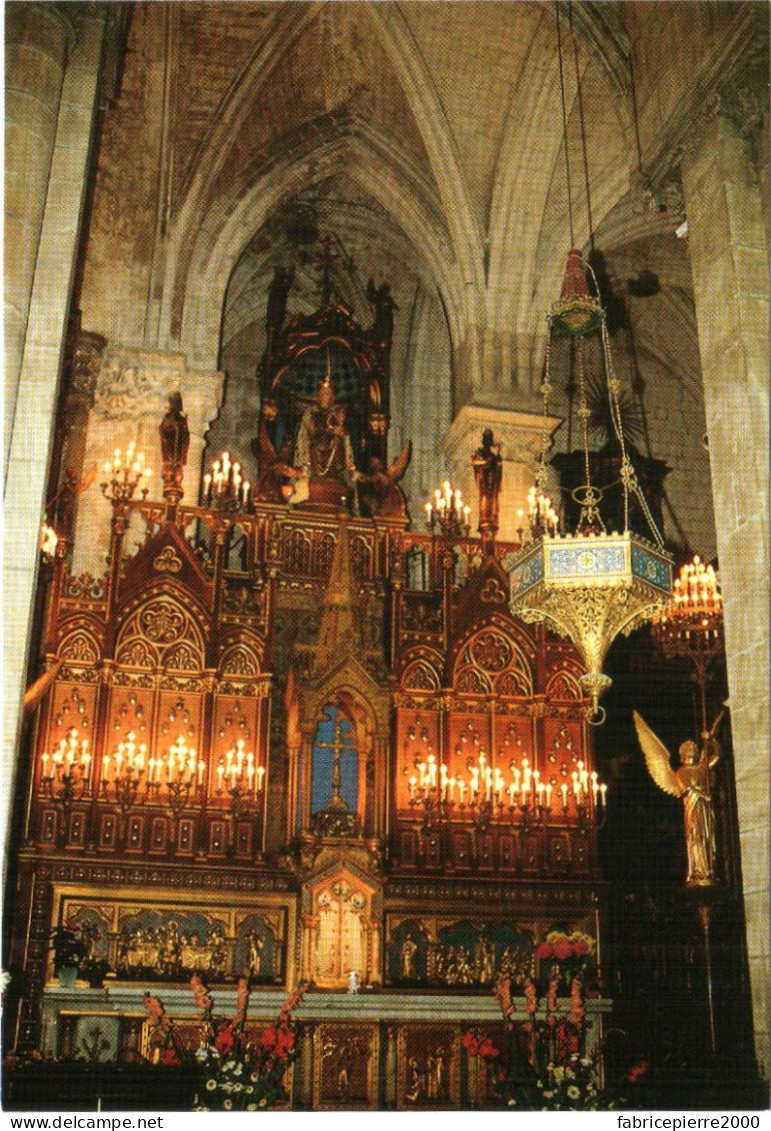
(323, 453)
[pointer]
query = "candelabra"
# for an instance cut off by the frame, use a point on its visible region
(124, 474)
(691, 625)
(224, 487)
(177, 776)
(124, 774)
(542, 517)
(447, 514)
(239, 775)
(65, 774)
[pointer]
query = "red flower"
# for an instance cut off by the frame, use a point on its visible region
(224, 1040)
(268, 1038)
(545, 950)
(488, 1049)
(170, 1057)
(284, 1043)
(580, 948)
(567, 1041)
(637, 1071)
(470, 1043)
(562, 949)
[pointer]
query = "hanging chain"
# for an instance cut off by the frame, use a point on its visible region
(564, 123)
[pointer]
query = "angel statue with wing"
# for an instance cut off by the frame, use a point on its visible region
(691, 782)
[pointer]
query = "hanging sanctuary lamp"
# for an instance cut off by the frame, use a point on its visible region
(588, 584)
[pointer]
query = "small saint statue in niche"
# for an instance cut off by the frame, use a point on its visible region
(175, 442)
(692, 783)
(256, 945)
(353, 982)
(488, 474)
(407, 953)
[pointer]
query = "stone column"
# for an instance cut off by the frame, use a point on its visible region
(38, 38)
(130, 401)
(729, 259)
(520, 435)
(86, 362)
(30, 428)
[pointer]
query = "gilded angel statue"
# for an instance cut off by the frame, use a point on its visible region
(691, 782)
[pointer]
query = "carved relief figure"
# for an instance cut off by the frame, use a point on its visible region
(692, 783)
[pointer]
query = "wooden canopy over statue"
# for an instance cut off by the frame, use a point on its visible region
(324, 416)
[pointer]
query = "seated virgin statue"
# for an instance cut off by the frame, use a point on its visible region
(323, 453)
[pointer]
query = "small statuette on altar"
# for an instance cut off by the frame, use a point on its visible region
(353, 982)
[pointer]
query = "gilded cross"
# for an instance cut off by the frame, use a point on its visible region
(337, 746)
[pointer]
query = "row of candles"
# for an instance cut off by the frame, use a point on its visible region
(225, 481)
(130, 764)
(433, 782)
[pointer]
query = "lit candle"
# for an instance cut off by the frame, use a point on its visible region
(564, 791)
(603, 791)
(260, 776)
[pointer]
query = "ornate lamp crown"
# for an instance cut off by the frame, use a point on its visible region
(589, 585)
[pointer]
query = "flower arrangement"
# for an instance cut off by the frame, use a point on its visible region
(237, 1073)
(571, 1086)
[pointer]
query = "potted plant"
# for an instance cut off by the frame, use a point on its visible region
(94, 971)
(69, 950)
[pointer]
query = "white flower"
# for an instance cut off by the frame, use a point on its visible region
(559, 1075)
(574, 1093)
(238, 1087)
(211, 1085)
(248, 1089)
(227, 1104)
(251, 1107)
(238, 1070)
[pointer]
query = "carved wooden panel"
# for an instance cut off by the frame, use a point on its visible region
(428, 1067)
(345, 1072)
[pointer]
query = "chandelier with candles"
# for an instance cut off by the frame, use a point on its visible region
(691, 624)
